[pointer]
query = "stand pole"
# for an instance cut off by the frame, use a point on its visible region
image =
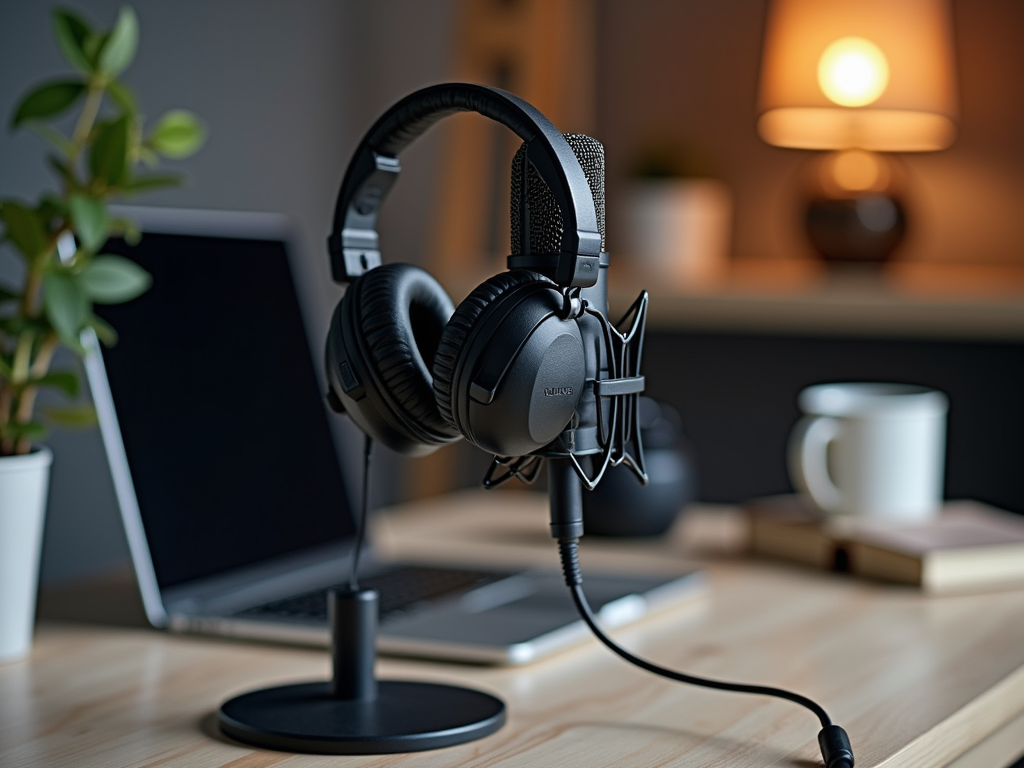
(352, 618)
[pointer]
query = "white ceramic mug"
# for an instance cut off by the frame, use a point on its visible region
(871, 450)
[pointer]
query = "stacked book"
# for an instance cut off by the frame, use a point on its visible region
(968, 546)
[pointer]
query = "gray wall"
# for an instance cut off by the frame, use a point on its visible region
(287, 89)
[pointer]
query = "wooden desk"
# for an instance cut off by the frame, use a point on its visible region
(917, 681)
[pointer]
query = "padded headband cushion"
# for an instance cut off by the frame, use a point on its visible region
(366, 182)
(402, 313)
(456, 333)
(412, 116)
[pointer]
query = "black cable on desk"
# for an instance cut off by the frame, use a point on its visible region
(832, 739)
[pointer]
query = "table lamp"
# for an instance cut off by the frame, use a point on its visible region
(859, 78)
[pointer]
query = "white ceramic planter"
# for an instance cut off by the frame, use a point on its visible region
(678, 230)
(24, 481)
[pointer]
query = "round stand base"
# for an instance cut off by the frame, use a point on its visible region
(405, 717)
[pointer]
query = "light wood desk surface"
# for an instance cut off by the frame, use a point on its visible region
(915, 680)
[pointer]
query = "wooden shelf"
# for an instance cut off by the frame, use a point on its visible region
(802, 297)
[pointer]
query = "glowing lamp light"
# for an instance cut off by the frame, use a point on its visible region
(853, 72)
(853, 170)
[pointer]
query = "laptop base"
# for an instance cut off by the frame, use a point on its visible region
(403, 717)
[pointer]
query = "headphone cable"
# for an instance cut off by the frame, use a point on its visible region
(353, 577)
(832, 739)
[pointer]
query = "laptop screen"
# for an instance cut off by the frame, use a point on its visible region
(220, 410)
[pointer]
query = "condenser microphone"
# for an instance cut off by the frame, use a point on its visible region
(536, 218)
(536, 225)
(606, 413)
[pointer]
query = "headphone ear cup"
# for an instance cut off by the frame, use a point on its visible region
(380, 350)
(457, 331)
(509, 369)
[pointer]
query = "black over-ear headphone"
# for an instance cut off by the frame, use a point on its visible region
(507, 368)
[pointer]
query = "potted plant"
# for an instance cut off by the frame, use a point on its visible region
(677, 217)
(58, 238)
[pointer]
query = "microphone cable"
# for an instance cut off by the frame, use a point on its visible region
(353, 578)
(832, 739)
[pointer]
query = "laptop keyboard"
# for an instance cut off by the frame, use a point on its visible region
(401, 590)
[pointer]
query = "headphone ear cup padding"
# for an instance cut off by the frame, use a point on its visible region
(457, 331)
(402, 311)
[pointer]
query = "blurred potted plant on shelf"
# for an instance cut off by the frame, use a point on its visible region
(58, 238)
(678, 216)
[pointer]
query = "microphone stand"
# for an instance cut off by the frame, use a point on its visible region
(353, 713)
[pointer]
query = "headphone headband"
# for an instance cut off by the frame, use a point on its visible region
(354, 243)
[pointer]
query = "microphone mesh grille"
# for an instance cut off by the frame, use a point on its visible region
(545, 217)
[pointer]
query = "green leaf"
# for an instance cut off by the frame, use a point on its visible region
(123, 97)
(66, 304)
(51, 207)
(47, 101)
(71, 32)
(108, 157)
(151, 182)
(6, 294)
(177, 134)
(119, 49)
(52, 135)
(73, 416)
(92, 45)
(6, 367)
(16, 325)
(65, 381)
(90, 218)
(51, 212)
(32, 430)
(9, 325)
(112, 279)
(23, 228)
(104, 331)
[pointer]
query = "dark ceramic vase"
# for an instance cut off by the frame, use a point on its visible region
(854, 206)
(862, 229)
(621, 506)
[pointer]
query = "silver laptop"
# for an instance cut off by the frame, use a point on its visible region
(229, 479)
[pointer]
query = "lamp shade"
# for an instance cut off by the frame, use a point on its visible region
(873, 74)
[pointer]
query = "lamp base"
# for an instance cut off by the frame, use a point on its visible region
(403, 717)
(854, 213)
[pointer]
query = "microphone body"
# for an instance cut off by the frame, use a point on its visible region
(537, 232)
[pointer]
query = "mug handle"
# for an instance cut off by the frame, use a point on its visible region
(808, 460)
